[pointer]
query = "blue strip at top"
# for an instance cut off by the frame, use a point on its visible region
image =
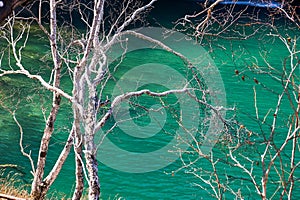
(262, 4)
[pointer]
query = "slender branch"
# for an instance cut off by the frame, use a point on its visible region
(40, 79)
(60, 161)
(128, 95)
(28, 155)
(130, 19)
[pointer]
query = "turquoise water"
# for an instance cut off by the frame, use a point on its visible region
(159, 184)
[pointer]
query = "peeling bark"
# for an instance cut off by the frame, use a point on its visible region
(90, 149)
(77, 148)
(79, 170)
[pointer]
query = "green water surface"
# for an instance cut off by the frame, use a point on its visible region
(246, 56)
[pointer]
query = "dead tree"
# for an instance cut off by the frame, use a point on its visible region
(258, 163)
(85, 56)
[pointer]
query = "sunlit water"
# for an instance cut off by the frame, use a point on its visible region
(159, 184)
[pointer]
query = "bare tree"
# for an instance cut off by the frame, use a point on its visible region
(81, 72)
(84, 55)
(278, 154)
(260, 162)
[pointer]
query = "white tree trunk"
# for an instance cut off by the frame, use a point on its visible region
(90, 150)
